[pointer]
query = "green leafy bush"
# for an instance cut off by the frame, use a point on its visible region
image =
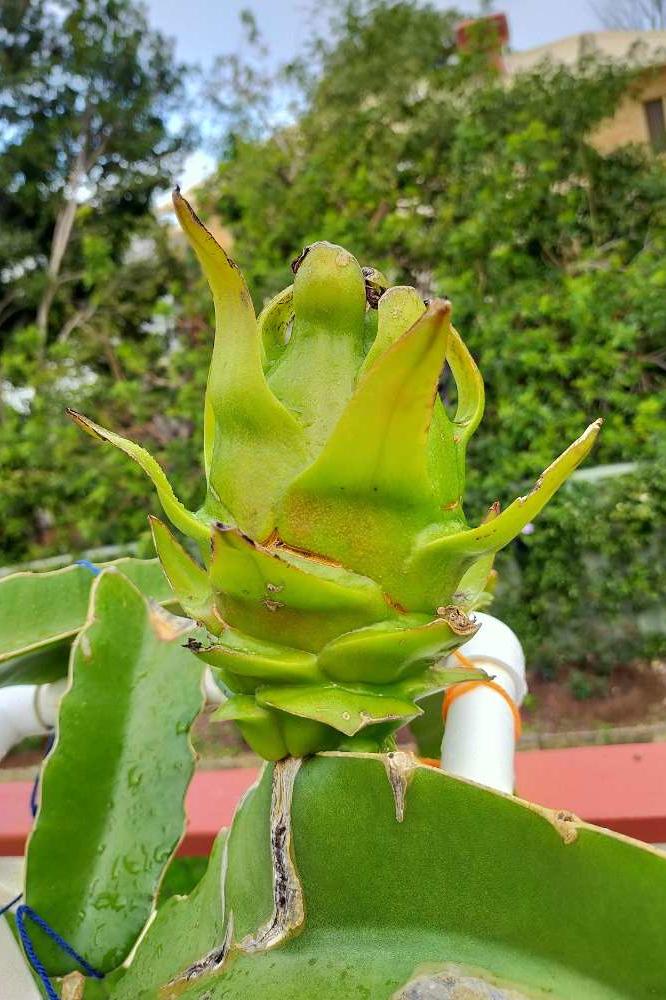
(587, 586)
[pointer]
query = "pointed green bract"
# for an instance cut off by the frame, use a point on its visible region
(299, 602)
(258, 725)
(316, 373)
(257, 444)
(242, 656)
(350, 708)
(443, 559)
(369, 492)
(472, 592)
(392, 650)
(398, 309)
(180, 517)
(189, 581)
(343, 709)
(471, 397)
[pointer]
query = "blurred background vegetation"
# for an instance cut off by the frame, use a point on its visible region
(420, 159)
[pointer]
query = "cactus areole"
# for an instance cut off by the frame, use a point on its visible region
(335, 573)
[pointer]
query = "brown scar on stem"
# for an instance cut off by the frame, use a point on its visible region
(566, 823)
(210, 963)
(455, 982)
(400, 768)
(288, 904)
(72, 986)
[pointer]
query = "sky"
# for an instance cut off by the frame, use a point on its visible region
(206, 28)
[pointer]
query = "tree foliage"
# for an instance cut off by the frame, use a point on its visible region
(87, 91)
(87, 277)
(383, 137)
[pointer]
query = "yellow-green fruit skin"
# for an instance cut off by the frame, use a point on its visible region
(334, 571)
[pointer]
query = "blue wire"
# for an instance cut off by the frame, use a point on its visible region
(88, 565)
(26, 912)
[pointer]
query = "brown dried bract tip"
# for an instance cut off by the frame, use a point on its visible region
(439, 307)
(296, 263)
(457, 619)
(373, 289)
(83, 423)
(493, 511)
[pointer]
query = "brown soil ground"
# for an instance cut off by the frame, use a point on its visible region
(634, 695)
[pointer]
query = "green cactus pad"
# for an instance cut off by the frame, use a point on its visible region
(357, 875)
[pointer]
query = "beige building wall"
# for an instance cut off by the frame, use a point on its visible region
(629, 123)
(640, 48)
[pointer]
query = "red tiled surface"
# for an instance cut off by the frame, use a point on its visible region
(621, 787)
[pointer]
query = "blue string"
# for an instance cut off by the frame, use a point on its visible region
(26, 912)
(88, 565)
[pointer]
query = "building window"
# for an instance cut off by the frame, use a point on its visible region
(656, 124)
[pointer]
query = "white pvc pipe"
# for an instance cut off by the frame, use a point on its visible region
(27, 710)
(32, 710)
(214, 695)
(479, 734)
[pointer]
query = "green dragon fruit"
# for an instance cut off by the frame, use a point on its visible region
(337, 569)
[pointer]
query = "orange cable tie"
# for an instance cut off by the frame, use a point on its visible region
(459, 689)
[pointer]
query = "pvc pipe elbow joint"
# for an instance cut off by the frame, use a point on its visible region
(480, 731)
(27, 710)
